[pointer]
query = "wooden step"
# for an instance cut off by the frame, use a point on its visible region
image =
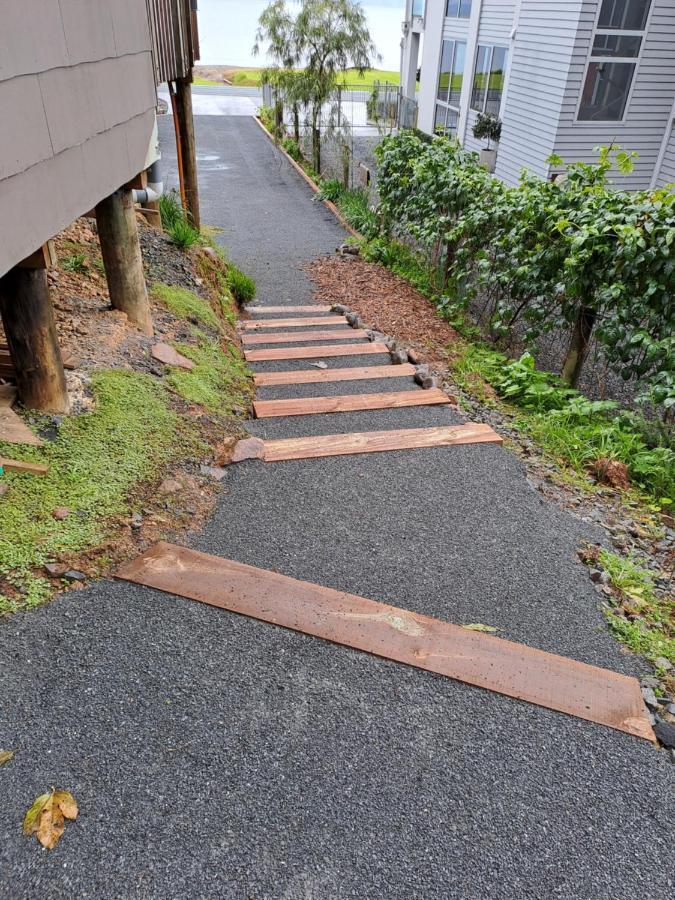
(310, 308)
(327, 350)
(302, 337)
(515, 670)
(255, 325)
(306, 406)
(319, 376)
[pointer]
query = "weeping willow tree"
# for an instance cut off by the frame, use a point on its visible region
(310, 52)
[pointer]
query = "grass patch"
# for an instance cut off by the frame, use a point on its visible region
(183, 235)
(242, 286)
(642, 620)
(76, 262)
(170, 210)
(205, 82)
(94, 463)
(186, 305)
(220, 381)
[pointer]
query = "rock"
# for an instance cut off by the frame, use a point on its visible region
(662, 663)
(595, 575)
(399, 357)
(319, 365)
(213, 472)
(665, 734)
(136, 521)
(649, 681)
(377, 337)
(61, 513)
(209, 251)
(350, 250)
(424, 371)
(339, 309)
(170, 486)
(224, 451)
(414, 357)
(249, 448)
(352, 318)
(56, 570)
(649, 697)
(426, 381)
(74, 575)
(670, 709)
(170, 357)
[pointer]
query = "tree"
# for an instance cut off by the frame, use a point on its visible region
(325, 38)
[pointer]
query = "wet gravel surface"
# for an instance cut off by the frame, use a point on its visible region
(216, 756)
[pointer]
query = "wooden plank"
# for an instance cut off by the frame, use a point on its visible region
(13, 430)
(29, 468)
(377, 441)
(504, 667)
(320, 376)
(300, 322)
(305, 406)
(327, 350)
(309, 308)
(304, 337)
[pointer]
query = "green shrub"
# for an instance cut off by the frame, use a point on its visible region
(170, 210)
(242, 286)
(183, 234)
(77, 262)
(331, 189)
(293, 150)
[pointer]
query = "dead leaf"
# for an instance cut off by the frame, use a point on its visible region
(5, 756)
(46, 817)
(488, 629)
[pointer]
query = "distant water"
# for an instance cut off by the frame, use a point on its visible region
(227, 30)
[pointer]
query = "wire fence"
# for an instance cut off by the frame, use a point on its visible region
(349, 126)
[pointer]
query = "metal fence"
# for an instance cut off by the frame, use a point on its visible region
(351, 124)
(175, 41)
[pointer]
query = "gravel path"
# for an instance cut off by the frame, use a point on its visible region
(216, 756)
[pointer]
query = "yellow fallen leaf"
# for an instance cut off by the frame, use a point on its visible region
(488, 629)
(46, 817)
(5, 756)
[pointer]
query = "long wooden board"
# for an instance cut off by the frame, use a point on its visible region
(515, 670)
(321, 376)
(15, 465)
(305, 406)
(256, 324)
(315, 352)
(310, 308)
(378, 441)
(303, 337)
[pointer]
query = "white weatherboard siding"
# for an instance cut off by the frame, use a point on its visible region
(539, 68)
(649, 107)
(495, 27)
(666, 174)
(431, 57)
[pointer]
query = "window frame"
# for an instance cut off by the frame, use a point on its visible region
(456, 108)
(459, 7)
(491, 55)
(592, 57)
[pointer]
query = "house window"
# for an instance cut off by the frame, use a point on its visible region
(458, 9)
(450, 80)
(488, 79)
(418, 8)
(617, 43)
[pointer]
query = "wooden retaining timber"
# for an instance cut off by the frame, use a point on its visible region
(315, 352)
(305, 406)
(309, 308)
(515, 670)
(300, 322)
(302, 337)
(319, 376)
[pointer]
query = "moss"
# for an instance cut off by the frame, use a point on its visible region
(94, 463)
(220, 380)
(186, 305)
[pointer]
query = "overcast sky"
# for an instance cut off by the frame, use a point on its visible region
(227, 30)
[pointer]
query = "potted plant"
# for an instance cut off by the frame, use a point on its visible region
(488, 127)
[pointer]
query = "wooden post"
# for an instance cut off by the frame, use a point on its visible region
(121, 251)
(187, 148)
(28, 320)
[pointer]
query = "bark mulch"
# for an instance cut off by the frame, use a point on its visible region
(386, 303)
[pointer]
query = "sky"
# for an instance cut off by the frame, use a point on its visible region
(227, 30)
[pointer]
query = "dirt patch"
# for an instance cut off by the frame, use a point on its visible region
(386, 303)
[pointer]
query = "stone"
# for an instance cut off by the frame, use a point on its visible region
(649, 681)
(423, 371)
(352, 318)
(249, 448)
(426, 381)
(665, 734)
(209, 251)
(595, 575)
(74, 575)
(170, 357)
(136, 521)
(56, 570)
(399, 357)
(319, 365)
(170, 486)
(649, 697)
(414, 357)
(662, 663)
(214, 471)
(224, 451)
(340, 309)
(61, 513)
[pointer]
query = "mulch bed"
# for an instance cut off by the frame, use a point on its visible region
(386, 303)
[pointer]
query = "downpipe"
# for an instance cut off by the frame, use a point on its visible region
(154, 189)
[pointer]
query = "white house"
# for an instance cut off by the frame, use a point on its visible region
(564, 76)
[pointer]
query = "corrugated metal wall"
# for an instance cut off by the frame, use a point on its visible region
(174, 37)
(77, 105)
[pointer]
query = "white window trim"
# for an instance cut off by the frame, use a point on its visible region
(445, 103)
(591, 58)
(492, 47)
